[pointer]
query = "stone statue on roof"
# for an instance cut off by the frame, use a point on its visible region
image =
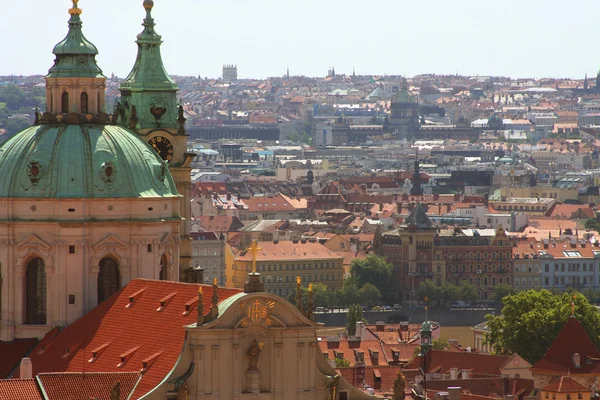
(399, 385)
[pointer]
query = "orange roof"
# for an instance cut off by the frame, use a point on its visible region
(116, 328)
(351, 349)
(12, 352)
(565, 384)
(268, 204)
(570, 211)
(443, 361)
(22, 389)
(287, 250)
(559, 357)
(89, 385)
(492, 387)
(385, 373)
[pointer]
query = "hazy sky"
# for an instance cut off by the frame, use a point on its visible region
(517, 38)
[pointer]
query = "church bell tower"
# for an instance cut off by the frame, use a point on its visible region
(149, 107)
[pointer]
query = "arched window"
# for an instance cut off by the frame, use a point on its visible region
(35, 292)
(64, 106)
(163, 268)
(84, 103)
(99, 103)
(108, 279)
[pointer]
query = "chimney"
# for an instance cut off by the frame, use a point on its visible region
(380, 326)
(453, 373)
(436, 196)
(360, 326)
(26, 369)
(454, 393)
(380, 207)
(505, 386)
(465, 373)
(456, 196)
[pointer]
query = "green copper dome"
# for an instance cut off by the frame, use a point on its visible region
(75, 55)
(82, 161)
(404, 97)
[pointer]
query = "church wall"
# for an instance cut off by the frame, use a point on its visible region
(72, 245)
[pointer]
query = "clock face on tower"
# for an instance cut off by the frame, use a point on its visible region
(163, 147)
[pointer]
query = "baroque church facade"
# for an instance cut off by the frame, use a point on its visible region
(91, 200)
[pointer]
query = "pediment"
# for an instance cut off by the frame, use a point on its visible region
(260, 311)
(33, 242)
(111, 241)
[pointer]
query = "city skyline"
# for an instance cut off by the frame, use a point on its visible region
(465, 37)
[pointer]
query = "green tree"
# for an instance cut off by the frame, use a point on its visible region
(530, 321)
(430, 290)
(369, 295)
(501, 290)
(322, 297)
(468, 292)
(354, 315)
(437, 344)
(449, 293)
(341, 363)
(372, 269)
(349, 293)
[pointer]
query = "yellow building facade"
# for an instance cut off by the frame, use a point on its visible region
(280, 262)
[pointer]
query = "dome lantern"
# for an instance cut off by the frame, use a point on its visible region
(74, 84)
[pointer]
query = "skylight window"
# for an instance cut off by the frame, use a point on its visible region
(572, 253)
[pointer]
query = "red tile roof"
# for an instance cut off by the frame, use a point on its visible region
(21, 389)
(351, 349)
(114, 328)
(359, 376)
(493, 387)
(565, 384)
(559, 357)
(77, 386)
(477, 363)
(219, 223)
(288, 250)
(11, 354)
(268, 204)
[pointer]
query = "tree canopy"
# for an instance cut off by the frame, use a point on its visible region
(373, 269)
(531, 320)
(447, 293)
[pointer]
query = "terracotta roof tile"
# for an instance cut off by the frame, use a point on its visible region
(559, 357)
(384, 386)
(565, 384)
(125, 328)
(76, 386)
(12, 352)
(478, 363)
(21, 389)
(288, 250)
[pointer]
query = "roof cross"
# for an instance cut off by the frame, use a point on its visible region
(254, 249)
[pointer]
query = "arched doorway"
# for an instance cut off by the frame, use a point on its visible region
(109, 280)
(35, 292)
(163, 276)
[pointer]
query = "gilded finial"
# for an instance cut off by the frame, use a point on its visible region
(310, 288)
(148, 4)
(75, 10)
(215, 282)
(298, 280)
(200, 308)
